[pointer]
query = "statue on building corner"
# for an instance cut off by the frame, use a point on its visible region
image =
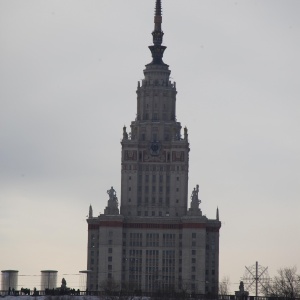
(195, 201)
(185, 133)
(112, 207)
(125, 134)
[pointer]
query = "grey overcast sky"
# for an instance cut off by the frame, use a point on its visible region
(68, 75)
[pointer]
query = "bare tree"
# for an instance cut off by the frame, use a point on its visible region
(129, 290)
(285, 284)
(111, 288)
(224, 286)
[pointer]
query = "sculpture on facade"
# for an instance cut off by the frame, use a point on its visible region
(241, 294)
(112, 207)
(195, 201)
(125, 134)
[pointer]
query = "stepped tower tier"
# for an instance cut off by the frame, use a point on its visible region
(155, 155)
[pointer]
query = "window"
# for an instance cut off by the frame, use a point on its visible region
(109, 267)
(193, 243)
(109, 258)
(129, 200)
(153, 213)
(146, 214)
(193, 252)
(129, 189)
(193, 260)
(194, 235)
(212, 272)
(139, 213)
(110, 250)
(160, 213)
(129, 177)
(193, 269)
(110, 242)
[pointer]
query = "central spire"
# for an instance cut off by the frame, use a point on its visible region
(157, 49)
(157, 17)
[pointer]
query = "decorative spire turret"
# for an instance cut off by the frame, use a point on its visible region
(157, 49)
(90, 212)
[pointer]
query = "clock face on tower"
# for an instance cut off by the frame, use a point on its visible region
(155, 148)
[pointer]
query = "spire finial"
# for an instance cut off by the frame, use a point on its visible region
(158, 8)
(157, 49)
(157, 33)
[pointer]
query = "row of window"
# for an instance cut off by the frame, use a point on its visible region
(154, 178)
(155, 117)
(153, 200)
(143, 167)
(153, 235)
(147, 214)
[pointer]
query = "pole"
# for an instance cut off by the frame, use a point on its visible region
(256, 280)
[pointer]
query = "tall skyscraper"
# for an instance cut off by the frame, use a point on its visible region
(155, 242)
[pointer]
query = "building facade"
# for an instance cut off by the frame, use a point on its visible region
(154, 241)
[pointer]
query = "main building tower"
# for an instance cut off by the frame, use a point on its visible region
(155, 242)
